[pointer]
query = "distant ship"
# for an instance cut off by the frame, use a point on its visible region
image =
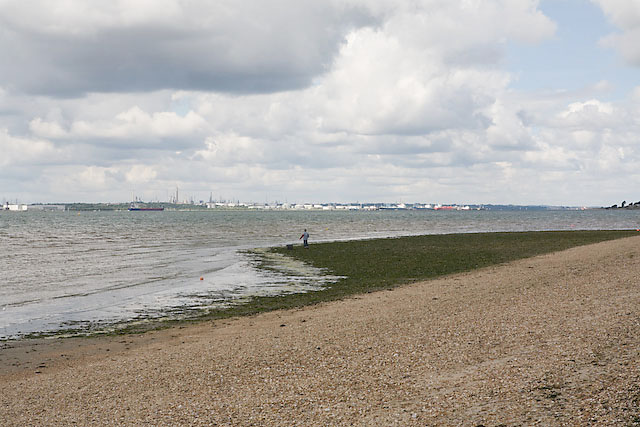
(135, 207)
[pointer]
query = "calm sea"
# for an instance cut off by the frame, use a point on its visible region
(86, 270)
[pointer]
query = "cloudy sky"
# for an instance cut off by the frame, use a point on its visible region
(467, 101)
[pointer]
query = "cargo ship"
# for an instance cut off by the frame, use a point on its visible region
(134, 207)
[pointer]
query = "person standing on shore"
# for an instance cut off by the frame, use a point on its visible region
(305, 238)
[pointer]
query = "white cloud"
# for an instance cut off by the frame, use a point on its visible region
(20, 152)
(137, 127)
(507, 130)
(468, 28)
(47, 129)
(431, 66)
(625, 14)
(592, 114)
(379, 86)
(141, 174)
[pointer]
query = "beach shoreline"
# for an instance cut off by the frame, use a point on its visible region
(549, 340)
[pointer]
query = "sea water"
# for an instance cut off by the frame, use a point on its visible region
(89, 270)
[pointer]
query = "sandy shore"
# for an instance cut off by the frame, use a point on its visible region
(551, 340)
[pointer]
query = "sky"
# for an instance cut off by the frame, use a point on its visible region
(434, 101)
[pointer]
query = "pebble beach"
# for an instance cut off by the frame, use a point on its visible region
(550, 340)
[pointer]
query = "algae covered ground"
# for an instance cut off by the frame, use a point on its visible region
(362, 266)
(377, 264)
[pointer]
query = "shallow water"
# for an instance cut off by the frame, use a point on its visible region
(69, 269)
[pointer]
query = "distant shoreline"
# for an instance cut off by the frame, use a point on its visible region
(233, 206)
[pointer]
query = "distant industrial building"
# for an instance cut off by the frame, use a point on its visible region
(14, 207)
(47, 207)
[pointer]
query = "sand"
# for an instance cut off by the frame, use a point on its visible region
(550, 340)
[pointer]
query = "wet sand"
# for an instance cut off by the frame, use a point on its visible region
(550, 340)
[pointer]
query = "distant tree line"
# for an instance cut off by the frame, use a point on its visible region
(125, 206)
(624, 205)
